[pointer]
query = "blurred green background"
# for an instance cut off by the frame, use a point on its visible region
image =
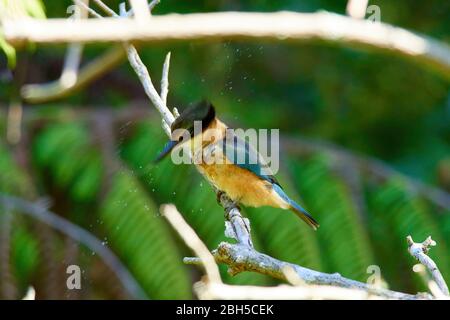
(365, 147)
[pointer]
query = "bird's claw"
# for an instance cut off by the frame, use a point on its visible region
(219, 195)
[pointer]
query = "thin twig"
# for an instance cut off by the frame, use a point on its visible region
(87, 8)
(105, 8)
(165, 79)
(419, 251)
(69, 73)
(39, 93)
(170, 212)
(14, 123)
(144, 76)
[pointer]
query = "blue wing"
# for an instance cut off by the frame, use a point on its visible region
(242, 154)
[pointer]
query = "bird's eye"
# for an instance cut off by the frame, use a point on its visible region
(180, 138)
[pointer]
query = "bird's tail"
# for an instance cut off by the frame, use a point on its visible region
(303, 214)
(298, 209)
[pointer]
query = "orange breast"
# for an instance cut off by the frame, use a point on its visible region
(242, 185)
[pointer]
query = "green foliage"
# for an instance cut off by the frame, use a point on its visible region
(142, 239)
(25, 254)
(342, 237)
(56, 148)
(24, 248)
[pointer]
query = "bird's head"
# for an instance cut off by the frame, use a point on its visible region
(183, 127)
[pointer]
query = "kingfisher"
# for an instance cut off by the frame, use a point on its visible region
(228, 162)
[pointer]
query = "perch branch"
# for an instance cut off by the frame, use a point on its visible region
(236, 226)
(241, 258)
(215, 289)
(237, 26)
(79, 234)
(419, 251)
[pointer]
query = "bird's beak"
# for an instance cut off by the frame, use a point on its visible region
(167, 149)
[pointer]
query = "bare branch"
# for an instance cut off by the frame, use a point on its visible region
(357, 8)
(69, 74)
(79, 234)
(141, 10)
(241, 258)
(151, 5)
(14, 123)
(105, 8)
(170, 212)
(165, 80)
(87, 8)
(38, 93)
(236, 227)
(419, 251)
(281, 292)
(237, 26)
(144, 76)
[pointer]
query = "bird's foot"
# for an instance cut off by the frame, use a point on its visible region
(226, 202)
(219, 195)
